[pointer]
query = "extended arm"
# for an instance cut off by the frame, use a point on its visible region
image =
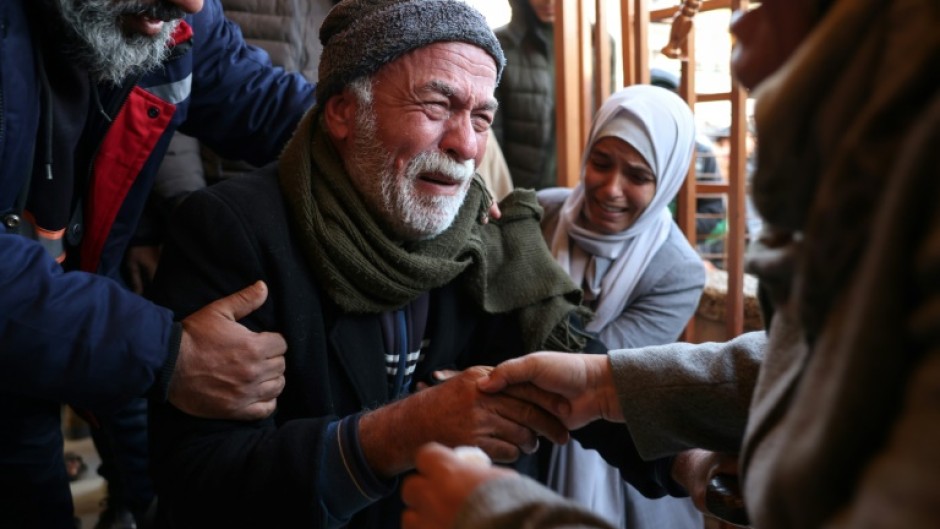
(672, 397)
(680, 396)
(75, 337)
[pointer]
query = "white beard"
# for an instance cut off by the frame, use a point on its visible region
(394, 197)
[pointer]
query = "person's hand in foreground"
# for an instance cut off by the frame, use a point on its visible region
(441, 485)
(456, 413)
(583, 382)
(224, 370)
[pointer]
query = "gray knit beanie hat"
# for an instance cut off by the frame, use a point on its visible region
(360, 36)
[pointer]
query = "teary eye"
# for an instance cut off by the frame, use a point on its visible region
(600, 161)
(482, 121)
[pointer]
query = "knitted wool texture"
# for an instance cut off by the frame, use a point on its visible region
(361, 36)
(503, 265)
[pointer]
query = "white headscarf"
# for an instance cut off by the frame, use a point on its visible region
(659, 125)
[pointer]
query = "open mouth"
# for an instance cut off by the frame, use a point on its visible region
(439, 179)
(439, 184)
(149, 21)
(143, 25)
(161, 11)
(608, 208)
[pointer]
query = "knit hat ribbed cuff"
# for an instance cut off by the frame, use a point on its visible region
(360, 36)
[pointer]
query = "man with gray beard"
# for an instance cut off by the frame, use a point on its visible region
(371, 232)
(112, 52)
(90, 92)
(410, 215)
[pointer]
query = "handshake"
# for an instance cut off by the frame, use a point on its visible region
(542, 394)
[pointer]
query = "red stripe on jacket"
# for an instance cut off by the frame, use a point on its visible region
(127, 146)
(129, 143)
(182, 33)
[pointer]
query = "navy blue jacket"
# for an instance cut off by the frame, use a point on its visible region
(75, 336)
(222, 91)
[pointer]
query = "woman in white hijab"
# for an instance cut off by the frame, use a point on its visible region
(614, 235)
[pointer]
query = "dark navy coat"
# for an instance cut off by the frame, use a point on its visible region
(75, 336)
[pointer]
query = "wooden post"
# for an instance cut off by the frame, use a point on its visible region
(687, 195)
(641, 24)
(586, 58)
(603, 73)
(734, 308)
(634, 15)
(628, 42)
(567, 108)
(686, 203)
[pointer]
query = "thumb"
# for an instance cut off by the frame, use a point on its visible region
(492, 383)
(500, 377)
(242, 303)
(513, 371)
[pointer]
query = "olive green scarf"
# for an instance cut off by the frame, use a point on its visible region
(504, 265)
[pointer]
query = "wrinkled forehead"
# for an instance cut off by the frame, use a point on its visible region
(455, 69)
